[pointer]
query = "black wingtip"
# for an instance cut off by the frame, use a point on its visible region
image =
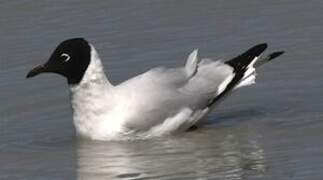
(275, 54)
(262, 46)
(239, 64)
(247, 57)
(257, 50)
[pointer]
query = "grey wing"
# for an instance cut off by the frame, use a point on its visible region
(209, 78)
(163, 93)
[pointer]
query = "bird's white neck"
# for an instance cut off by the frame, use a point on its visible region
(89, 96)
(94, 74)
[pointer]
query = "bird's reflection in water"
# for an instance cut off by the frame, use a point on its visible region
(206, 153)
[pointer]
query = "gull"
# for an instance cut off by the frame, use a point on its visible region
(161, 101)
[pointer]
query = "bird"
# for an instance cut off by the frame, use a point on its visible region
(162, 101)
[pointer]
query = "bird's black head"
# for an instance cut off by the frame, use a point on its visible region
(70, 59)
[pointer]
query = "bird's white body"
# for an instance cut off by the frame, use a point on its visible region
(158, 102)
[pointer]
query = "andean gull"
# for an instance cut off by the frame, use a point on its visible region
(158, 102)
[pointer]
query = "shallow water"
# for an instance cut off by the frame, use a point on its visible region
(272, 130)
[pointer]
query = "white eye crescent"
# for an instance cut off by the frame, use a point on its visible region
(67, 57)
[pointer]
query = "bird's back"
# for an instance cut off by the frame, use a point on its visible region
(168, 97)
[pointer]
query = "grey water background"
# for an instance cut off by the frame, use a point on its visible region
(272, 130)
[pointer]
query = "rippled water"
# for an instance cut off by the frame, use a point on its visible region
(272, 130)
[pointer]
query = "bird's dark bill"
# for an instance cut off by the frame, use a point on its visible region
(37, 70)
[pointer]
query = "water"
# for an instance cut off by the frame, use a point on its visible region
(272, 130)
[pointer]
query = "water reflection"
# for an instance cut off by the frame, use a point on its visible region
(213, 153)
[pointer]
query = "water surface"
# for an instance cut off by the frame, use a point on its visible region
(272, 130)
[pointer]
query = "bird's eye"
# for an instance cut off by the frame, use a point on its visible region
(65, 57)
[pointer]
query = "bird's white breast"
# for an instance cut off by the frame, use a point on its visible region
(95, 113)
